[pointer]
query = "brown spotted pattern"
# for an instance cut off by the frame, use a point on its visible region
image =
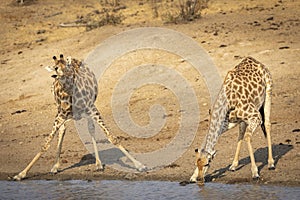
(244, 100)
(75, 90)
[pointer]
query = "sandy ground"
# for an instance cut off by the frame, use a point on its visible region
(228, 31)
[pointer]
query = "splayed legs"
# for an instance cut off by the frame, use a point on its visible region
(95, 115)
(59, 121)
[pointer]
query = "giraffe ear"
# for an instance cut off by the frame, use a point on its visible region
(49, 69)
(55, 60)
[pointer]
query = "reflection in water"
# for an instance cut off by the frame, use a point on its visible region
(115, 189)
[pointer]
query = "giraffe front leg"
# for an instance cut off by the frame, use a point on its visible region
(58, 122)
(23, 173)
(61, 135)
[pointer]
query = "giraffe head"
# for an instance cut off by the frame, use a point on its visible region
(203, 160)
(63, 67)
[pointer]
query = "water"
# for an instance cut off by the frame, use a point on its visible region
(115, 189)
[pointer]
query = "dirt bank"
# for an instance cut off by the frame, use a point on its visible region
(31, 34)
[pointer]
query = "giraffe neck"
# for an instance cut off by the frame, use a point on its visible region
(218, 123)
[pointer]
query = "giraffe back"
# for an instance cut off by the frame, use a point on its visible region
(246, 85)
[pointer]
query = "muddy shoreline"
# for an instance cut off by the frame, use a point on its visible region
(267, 31)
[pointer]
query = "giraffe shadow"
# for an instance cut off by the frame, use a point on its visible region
(261, 156)
(110, 156)
(85, 160)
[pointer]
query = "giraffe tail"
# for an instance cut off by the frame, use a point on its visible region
(262, 113)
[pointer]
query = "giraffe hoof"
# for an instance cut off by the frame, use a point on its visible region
(200, 183)
(193, 180)
(256, 178)
(100, 168)
(54, 171)
(232, 168)
(271, 167)
(19, 177)
(142, 168)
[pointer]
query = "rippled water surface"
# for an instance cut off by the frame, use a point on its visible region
(115, 189)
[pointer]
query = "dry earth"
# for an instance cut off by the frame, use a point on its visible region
(228, 31)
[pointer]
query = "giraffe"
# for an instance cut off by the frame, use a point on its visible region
(75, 90)
(244, 100)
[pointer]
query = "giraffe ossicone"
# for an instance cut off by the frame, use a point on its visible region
(244, 100)
(75, 90)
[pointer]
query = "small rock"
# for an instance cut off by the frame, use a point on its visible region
(41, 40)
(284, 47)
(18, 112)
(41, 31)
(238, 57)
(130, 176)
(184, 183)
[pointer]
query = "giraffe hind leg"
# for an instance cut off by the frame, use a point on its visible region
(91, 128)
(254, 169)
(95, 115)
(235, 162)
(254, 120)
(267, 126)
